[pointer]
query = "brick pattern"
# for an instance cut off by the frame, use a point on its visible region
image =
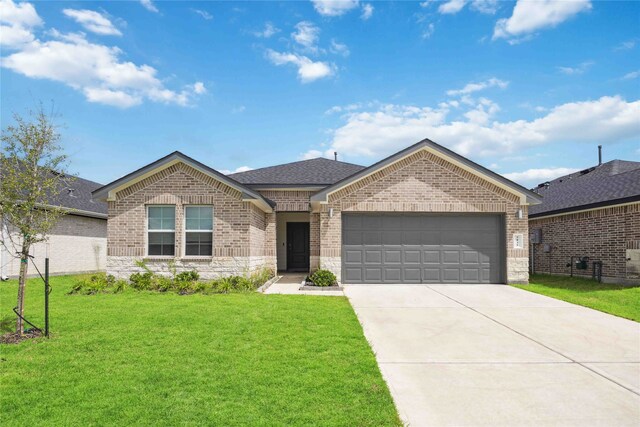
(314, 240)
(238, 232)
(77, 244)
(424, 182)
(608, 235)
(289, 201)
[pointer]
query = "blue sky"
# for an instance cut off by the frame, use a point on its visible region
(526, 88)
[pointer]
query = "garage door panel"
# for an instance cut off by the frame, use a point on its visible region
(373, 275)
(373, 256)
(392, 256)
(392, 275)
(353, 256)
(412, 275)
(371, 238)
(422, 248)
(451, 275)
(412, 256)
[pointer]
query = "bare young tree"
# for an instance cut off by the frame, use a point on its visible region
(31, 178)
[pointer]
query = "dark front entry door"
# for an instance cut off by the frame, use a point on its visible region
(298, 246)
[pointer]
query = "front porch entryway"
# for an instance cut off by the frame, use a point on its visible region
(293, 241)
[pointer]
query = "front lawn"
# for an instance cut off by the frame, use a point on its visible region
(623, 301)
(141, 358)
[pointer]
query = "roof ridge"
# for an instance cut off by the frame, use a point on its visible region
(291, 163)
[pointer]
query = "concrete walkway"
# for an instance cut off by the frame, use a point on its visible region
(289, 284)
(467, 355)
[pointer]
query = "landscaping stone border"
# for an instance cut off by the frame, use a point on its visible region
(268, 283)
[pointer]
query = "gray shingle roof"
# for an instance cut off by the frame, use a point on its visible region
(79, 198)
(319, 171)
(610, 183)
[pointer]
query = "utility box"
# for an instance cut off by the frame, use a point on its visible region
(546, 247)
(536, 235)
(582, 263)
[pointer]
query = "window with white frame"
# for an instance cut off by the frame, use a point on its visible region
(161, 230)
(198, 231)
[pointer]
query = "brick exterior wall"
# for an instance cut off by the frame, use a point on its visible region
(610, 235)
(77, 244)
(239, 240)
(423, 182)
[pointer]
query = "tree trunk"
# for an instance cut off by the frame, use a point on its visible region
(22, 281)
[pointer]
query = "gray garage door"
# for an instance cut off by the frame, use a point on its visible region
(422, 248)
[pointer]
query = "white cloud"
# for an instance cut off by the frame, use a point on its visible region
(428, 31)
(334, 7)
(311, 154)
(488, 7)
(308, 70)
(344, 108)
(306, 35)
(236, 170)
(93, 21)
(388, 128)
(339, 48)
(530, 16)
(367, 11)
(199, 88)
(580, 69)
(148, 4)
(629, 44)
(239, 109)
(531, 177)
(268, 31)
(203, 13)
(95, 70)
(632, 75)
(475, 87)
(452, 6)
(17, 22)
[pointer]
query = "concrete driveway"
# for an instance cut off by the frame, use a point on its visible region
(497, 355)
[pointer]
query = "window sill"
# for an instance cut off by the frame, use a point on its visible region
(196, 258)
(159, 258)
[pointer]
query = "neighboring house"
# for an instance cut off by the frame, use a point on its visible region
(422, 215)
(76, 244)
(593, 213)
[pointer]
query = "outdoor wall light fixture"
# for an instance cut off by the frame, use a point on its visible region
(519, 214)
(330, 212)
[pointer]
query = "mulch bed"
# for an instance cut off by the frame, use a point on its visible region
(15, 338)
(310, 286)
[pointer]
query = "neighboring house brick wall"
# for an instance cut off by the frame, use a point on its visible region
(423, 182)
(610, 235)
(238, 228)
(77, 244)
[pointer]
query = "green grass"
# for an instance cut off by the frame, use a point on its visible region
(623, 301)
(141, 358)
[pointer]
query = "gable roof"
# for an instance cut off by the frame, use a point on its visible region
(107, 192)
(313, 172)
(614, 182)
(426, 144)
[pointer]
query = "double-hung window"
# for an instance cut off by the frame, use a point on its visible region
(161, 230)
(198, 231)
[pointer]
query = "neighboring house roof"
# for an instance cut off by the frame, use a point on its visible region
(77, 197)
(614, 182)
(73, 193)
(107, 192)
(314, 172)
(426, 144)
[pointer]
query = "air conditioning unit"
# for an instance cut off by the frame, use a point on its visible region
(536, 235)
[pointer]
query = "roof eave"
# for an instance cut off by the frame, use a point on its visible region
(589, 206)
(107, 192)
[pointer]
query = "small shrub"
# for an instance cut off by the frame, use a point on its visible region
(187, 276)
(161, 283)
(260, 277)
(141, 281)
(95, 284)
(223, 285)
(119, 286)
(323, 278)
